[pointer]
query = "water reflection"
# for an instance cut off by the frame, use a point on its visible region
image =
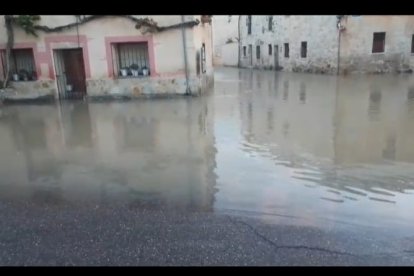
(285, 90)
(302, 94)
(321, 147)
(338, 148)
(153, 156)
(374, 104)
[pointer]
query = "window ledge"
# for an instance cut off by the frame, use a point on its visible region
(378, 53)
(133, 77)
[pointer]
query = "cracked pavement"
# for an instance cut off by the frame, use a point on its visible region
(96, 235)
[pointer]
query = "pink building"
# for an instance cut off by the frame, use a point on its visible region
(115, 56)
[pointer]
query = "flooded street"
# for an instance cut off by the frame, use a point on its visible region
(316, 147)
(272, 168)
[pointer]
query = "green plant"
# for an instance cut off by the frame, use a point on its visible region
(134, 66)
(27, 23)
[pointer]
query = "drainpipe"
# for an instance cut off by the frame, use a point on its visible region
(187, 91)
(339, 51)
(239, 60)
(339, 26)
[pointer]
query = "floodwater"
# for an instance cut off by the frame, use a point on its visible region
(315, 150)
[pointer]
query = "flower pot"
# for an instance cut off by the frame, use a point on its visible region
(135, 73)
(15, 77)
(145, 72)
(68, 88)
(124, 72)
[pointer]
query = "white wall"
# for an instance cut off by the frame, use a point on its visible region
(225, 27)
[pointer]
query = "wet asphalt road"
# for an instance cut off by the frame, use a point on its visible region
(33, 234)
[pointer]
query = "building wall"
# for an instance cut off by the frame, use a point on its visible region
(260, 36)
(230, 54)
(321, 35)
(225, 40)
(357, 39)
(202, 34)
(318, 31)
(166, 55)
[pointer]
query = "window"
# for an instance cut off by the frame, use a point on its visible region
(303, 49)
(22, 65)
(249, 24)
(286, 50)
(412, 44)
(378, 44)
(270, 49)
(270, 23)
(131, 59)
(258, 51)
(244, 51)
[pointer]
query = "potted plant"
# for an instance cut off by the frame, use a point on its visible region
(69, 87)
(124, 71)
(134, 70)
(33, 76)
(145, 71)
(24, 75)
(16, 77)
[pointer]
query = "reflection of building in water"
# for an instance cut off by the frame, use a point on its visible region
(298, 124)
(158, 153)
(333, 125)
(381, 134)
(28, 155)
(374, 107)
(302, 95)
(356, 123)
(166, 148)
(77, 125)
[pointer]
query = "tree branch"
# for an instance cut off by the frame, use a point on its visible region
(10, 41)
(140, 22)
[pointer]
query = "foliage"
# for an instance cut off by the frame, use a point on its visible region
(27, 23)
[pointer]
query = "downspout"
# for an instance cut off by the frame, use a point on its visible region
(239, 60)
(187, 91)
(339, 26)
(339, 51)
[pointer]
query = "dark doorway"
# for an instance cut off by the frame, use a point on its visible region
(70, 73)
(276, 54)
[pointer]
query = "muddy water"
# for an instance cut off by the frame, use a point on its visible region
(309, 149)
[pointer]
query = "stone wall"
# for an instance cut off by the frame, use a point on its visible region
(322, 37)
(357, 40)
(319, 32)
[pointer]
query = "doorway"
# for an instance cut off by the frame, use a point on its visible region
(276, 56)
(70, 73)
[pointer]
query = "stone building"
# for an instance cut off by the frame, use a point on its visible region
(328, 44)
(125, 56)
